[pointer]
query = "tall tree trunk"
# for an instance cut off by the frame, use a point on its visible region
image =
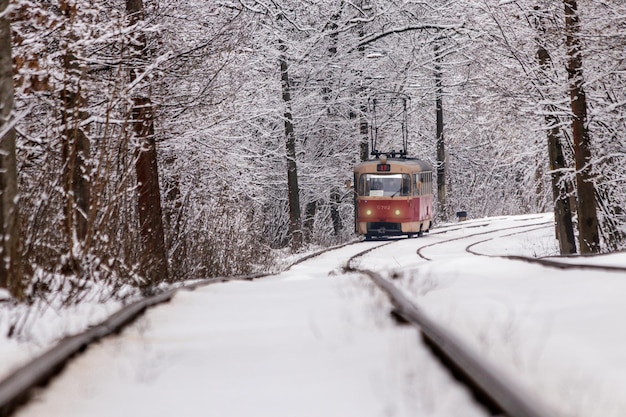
(174, 215)
(309, 220)
(589, 238)
(561, 189)
(10, 253)
(335, 201)
(75, 154)
(364, 148)
(154, 259)
(441, 148)
(332, 52)
(292, 169)
(75, 151)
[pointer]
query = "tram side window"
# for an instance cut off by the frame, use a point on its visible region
(428, 183)
(363, 186)
(419, 184)
(423, 183)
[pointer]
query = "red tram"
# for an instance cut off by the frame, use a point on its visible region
(393, 197)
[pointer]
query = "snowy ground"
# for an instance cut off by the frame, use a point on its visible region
(559, 331)
(313, 341)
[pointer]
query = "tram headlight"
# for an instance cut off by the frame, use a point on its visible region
(397, 212)
(368, 212)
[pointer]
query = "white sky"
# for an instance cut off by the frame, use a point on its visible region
(313, 341)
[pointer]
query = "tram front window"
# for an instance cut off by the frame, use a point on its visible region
(384, 185)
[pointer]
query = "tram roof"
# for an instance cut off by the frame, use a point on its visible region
(413, 164)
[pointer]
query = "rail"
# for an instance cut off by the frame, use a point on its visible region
(491, 387)
(16, 388)
(550, 262)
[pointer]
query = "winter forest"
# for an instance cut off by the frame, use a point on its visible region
(155, 141)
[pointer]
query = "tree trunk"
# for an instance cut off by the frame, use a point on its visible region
(364, 147)
(589, 238)
(335, 201)
(10, 251)
(560, 186)
(560, 190)
(75, 151)
(441, 148)
(309, 220)
(292, 168)
(154, 259)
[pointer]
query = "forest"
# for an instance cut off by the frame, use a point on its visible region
(147, 142)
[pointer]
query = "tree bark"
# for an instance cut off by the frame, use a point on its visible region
(309, 220)
(10, 250)
(335, 201)
(75, 153)
(292, 169)
(589, 239)
(364, 145)
(154, 259)
(561, 189)
(441, 148)
(75, 150)
(364, 148)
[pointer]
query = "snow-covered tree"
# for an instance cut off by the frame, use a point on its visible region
(10, 262)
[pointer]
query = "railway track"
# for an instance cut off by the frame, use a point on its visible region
(561, 262)
(495, 390)
(422, 249)
(499, 394)
(492, 388)
(16, 389)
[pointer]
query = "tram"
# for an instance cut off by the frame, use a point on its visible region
(393, 192)
(393, 197)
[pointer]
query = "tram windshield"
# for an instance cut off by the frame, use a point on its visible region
(384, 185)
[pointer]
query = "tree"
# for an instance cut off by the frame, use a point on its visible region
(560, 185)
(10, 260)
(76, 191)
(295, 222)
(75, 147)
(154, 261)
(589, 237)
(440, 141)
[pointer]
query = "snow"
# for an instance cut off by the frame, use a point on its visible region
(315, 341)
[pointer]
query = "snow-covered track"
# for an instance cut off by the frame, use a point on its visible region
(559, 262)
(525, 227)
(16, 388)
(495, 390)
(492, 388)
